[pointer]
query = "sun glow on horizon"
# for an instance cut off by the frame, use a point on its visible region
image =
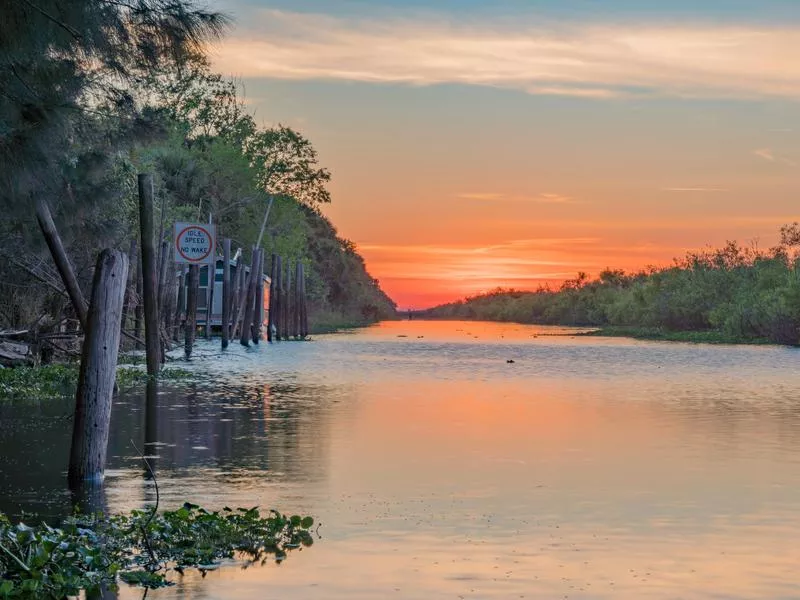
(472, 150)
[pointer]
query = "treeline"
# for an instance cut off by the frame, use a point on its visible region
(742, 293)
(95, 92)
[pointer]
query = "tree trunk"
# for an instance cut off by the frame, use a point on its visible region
(149, 275)
(98, 368)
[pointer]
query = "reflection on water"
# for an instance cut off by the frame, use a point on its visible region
(587, 468)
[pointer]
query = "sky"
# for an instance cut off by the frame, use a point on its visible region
(476, 145)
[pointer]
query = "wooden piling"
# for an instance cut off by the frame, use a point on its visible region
(298, 310)
(278, 306)
(303, 303)
(192, 286)
(170, 300)
(236, 296)
(258, 308)
(271, 315)
(163, 270)
(287, 306)
(226, 291)
(180, 304)
(138, 310)
(163, 257)
(250, 299)
(211, 279)
(98, 368)
(129, 287)
(149, 281)
(54, 243)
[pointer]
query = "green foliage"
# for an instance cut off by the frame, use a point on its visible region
(38, 383)
(141, 548)
(57, 381)
(730, 294)
(188, 127)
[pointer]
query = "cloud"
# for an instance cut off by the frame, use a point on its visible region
(765, 153)
(589, 60)
(543, 198)
(769, 155)
(699, 188)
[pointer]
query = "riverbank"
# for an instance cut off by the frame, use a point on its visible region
(657, 334)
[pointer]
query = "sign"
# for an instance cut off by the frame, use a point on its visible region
(194, 243)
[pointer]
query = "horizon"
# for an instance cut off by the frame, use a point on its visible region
(477, 147)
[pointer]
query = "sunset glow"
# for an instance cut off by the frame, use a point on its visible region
(473, 148)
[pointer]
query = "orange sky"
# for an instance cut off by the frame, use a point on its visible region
(473, 150)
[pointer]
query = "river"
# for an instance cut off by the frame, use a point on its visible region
(586, 468)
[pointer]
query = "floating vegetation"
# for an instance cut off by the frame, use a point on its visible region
(141, 548)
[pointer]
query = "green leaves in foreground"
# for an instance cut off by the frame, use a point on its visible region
(140, 548)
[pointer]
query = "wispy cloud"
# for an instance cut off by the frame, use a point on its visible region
(543, 198)
(595, 61)
(770, 156)
(697, 188)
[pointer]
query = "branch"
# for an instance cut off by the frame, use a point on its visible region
(74, 33)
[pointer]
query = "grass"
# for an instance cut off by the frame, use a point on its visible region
(710, 336)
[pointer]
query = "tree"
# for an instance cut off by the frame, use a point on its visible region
(61, 60)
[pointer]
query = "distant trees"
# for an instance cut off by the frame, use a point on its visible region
(744, 293)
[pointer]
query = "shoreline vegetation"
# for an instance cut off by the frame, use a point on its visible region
(729, 295)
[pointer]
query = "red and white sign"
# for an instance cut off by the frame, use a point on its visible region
(194, 243)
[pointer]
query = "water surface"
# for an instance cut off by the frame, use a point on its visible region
(585, 468)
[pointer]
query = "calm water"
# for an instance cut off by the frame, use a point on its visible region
(588, 468)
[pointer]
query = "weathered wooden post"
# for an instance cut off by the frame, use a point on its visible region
(303, 303)
(180, 303)
(298, 303)
(138, 310)
(226, 291)
(286, 283)
(279, 300)
(212, 276)
(250, 299)
(236, 296)
(98, 368)
(129, 285)
(271, 316)
(150, 283)
(163, 257)
(191, 309)
(170, 300)
(258, 309)
(61, 259)
(164, 314)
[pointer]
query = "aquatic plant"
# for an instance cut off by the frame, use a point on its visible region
(140, 548)
(56, 381)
